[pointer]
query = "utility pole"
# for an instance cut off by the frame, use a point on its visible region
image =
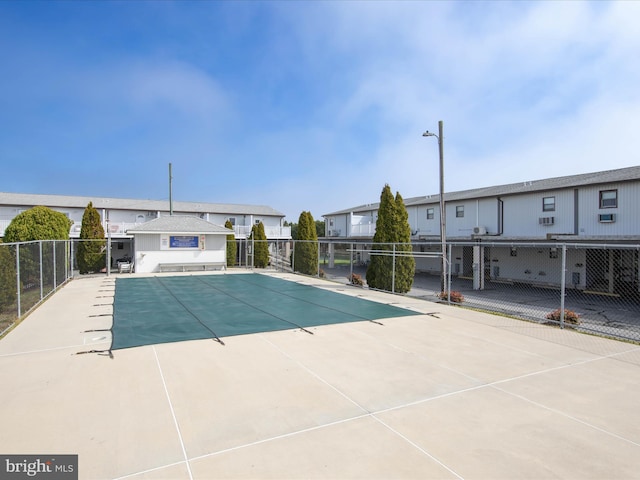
(170, 190)
(443, 215)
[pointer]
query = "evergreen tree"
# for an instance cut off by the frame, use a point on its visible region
(260, 246)
(7, 277)
(392, 228)
(232, 247)
(91, 249)
(405, 263)
(306, 247)
(37, 223)
(380, 270)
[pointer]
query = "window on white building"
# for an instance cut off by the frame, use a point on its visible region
(608, 198)
(549, 204)
(460, 211)
(430, 213)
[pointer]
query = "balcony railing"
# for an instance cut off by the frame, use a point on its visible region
(363, 230)
(119, 229)
(243, 231)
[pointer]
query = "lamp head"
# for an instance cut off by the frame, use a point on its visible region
(428, 134)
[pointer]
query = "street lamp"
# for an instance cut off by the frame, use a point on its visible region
(443, 224)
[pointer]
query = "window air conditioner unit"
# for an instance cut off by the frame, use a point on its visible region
(546, 220)
(607, 217)
(479, 230)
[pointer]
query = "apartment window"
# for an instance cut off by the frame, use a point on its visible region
(430, 213)
(608, 198)
(549, 204)
(232, 220)
(460, 211)
(256, 221)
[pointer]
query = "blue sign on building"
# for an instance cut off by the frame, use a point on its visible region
(183, 241)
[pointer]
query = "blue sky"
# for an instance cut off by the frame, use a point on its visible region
(311, 105)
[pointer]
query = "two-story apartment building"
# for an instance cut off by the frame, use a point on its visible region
(596, 208)
(119, 215)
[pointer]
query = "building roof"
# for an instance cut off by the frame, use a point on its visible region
(596, 178)
(66, 201)
(179, 224)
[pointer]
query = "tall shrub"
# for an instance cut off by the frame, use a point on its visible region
(392, 231)
(232, 247)
(260, 246)
(305, 256)
(405, 263)
(37, 223)
(8, 277)
(379, 272)
(91, 249)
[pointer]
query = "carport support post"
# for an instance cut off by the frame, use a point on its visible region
(332, 254)
(563, 274)
(478, 268)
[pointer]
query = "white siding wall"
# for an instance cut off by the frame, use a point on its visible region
(429, 227)
(461, 226)
(627, 213)
(534, 265)
(522, 213)
(339, 224)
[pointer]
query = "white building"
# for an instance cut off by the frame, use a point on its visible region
(122, 216)
(125, 213)
(179, 243)
(596, 208)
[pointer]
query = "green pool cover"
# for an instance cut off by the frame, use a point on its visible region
(154, 310)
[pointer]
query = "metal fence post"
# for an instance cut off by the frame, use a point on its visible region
(393, 270)
(449, 257)
(293, 257)
(563, 275)
(18, 279)
(55, 273)
(41, 276)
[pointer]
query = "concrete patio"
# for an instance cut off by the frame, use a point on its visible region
(452, 393)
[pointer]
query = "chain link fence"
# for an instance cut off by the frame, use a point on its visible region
(29, 273)
(592, 288)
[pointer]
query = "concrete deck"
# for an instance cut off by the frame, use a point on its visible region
(449, 394)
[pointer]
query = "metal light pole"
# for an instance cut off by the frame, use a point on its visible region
(443, 217)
